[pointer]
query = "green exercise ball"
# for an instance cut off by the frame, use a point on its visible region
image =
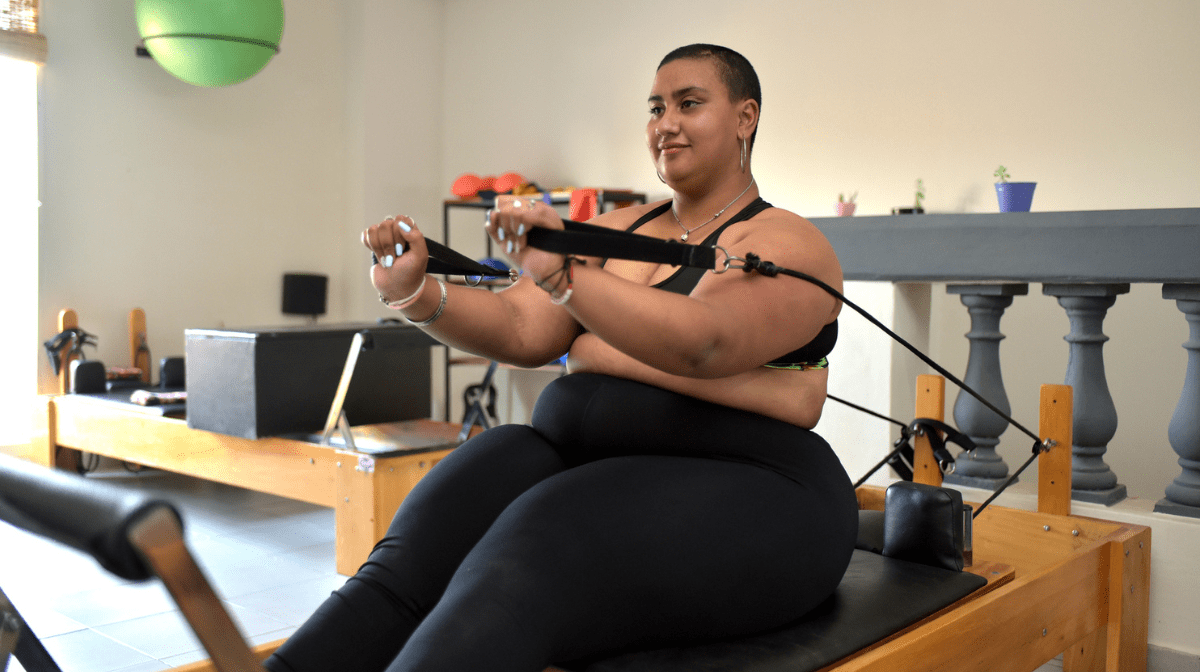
(211, 42)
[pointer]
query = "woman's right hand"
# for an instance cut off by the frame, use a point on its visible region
(401, 254)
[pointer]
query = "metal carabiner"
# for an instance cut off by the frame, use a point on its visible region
(729, 259)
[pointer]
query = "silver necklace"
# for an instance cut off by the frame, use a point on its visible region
(687, 231)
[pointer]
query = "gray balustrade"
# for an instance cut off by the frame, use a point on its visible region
(1095, 417)
(983, 467)
(1183, 494)
(1101, 247)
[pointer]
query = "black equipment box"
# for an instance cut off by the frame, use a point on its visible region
(271, 381)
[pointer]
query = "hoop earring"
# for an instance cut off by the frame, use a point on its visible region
(742, 158)
(660, 177)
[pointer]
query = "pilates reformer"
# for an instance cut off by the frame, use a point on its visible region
(1039, 583)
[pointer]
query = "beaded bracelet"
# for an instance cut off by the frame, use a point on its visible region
(437, 313)
(568, 266)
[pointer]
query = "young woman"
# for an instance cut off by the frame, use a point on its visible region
(668, 489)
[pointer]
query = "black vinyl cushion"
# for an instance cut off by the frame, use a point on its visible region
(924, 523)
(878, 597)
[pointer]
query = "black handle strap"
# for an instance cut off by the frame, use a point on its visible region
(598, 241)
(445, 261)
(582, 239)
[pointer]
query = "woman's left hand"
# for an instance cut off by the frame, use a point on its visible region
(509, 223)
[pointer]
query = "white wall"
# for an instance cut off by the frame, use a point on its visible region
(187, 202)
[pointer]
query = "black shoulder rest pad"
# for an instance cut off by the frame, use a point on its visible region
(925, 524)
(87, 515)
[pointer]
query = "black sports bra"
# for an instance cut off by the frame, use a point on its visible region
(809, 356)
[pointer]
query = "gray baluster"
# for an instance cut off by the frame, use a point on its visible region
(1183, 494)
(983, 467)
(1095, 416)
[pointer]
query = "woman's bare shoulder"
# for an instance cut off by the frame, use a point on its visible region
(779, 226)
(623, 218)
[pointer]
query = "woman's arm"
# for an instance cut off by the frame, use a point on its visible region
(517, 325)
(730, 323)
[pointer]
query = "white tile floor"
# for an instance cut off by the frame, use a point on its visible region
(270, 559)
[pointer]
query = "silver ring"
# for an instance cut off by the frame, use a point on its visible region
(516, 204)
(727, 260)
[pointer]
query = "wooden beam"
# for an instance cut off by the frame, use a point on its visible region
(284, 467)
(1054, 467)
(67, 319)
(931, 403)
(138, 357)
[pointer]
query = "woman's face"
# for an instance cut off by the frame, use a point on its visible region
(693, 126)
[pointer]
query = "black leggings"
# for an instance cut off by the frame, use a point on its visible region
(625, 517)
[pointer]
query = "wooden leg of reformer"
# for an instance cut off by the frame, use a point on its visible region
(931, 403)
(44, 448)
(1120, 643)
(369, 490)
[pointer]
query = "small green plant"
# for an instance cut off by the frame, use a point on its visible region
(1002, 174)
(920, 194)
(842, 198)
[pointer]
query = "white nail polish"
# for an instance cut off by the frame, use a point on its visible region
(388, 261)
(510, 247)
(399, 249)
(500, 235)
(521, 229)
(403, 226)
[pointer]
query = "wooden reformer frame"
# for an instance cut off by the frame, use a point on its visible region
(364, 490)
(1080, 586)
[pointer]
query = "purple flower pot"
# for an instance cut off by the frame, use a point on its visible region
(1015, 196)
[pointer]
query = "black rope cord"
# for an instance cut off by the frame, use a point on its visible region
(868, 411)
(752, 262)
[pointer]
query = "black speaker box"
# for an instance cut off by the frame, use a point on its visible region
(304, 293)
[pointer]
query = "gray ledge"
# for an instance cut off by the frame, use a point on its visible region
(1110, 246)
